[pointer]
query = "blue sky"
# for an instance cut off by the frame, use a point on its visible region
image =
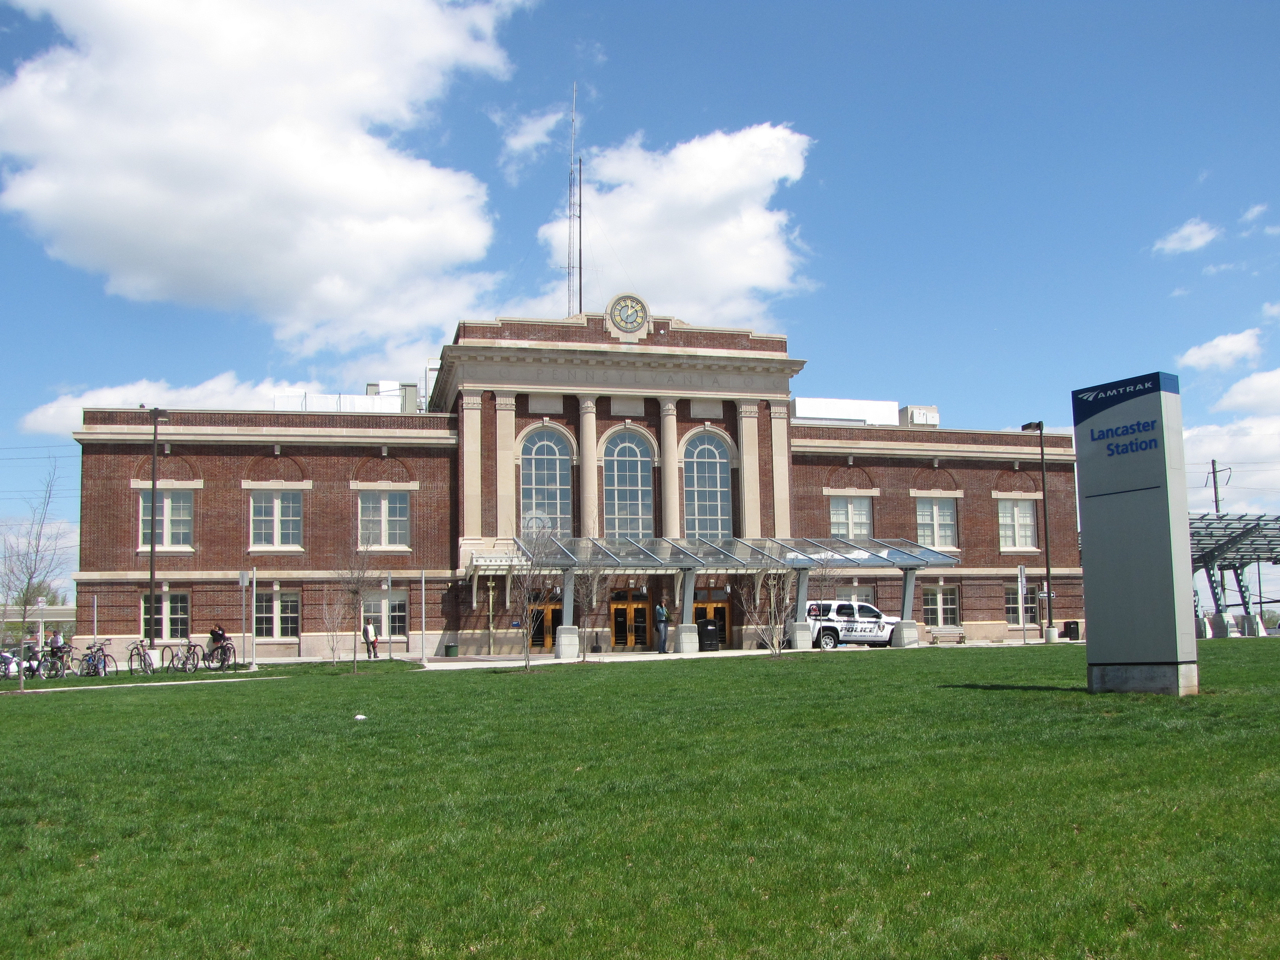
(979, 206)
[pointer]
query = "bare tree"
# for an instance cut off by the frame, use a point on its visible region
(587, 589)
(766, 603)
(34, 552)
(356, 577)
(530, 586)
(334, 613)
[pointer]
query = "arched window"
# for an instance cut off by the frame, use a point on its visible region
(708, 508)
(628, 486)
(546, 498)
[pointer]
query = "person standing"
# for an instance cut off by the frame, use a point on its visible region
(370, 640)
(660, 619)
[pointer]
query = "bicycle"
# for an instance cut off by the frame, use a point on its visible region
(140, 658)
(184, 658)
(221, 657)
(96, 662)
(54, 662)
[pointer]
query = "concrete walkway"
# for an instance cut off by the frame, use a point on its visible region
(157, 683)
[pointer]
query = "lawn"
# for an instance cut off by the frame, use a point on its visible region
(927, 803)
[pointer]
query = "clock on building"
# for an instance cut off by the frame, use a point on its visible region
(628, 313)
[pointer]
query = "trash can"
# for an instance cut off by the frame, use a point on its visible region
(708, 636)
(450, 649)
(1071, 630)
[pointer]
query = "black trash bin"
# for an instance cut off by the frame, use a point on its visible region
(1071, 630)
(708, 636)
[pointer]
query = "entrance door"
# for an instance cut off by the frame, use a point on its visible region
(713, 605)
(629, 617)
(546, 619)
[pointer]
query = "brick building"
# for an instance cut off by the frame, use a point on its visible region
(593, 426)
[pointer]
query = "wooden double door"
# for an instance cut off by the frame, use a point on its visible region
(546, 618)
(713, 605)
(631, 619)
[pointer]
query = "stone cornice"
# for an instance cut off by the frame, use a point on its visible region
(294, 436)
(926, 450)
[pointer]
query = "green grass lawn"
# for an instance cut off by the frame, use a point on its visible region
(929, 803)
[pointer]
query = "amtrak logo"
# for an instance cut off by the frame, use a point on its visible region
(1088, 395)
(628, 313)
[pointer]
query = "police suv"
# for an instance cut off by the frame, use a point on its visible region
(849, 622)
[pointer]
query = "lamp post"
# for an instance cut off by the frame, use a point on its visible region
(157, 415)
(1038, 426)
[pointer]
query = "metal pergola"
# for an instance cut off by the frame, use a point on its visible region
(691, 556)
(1232, 541)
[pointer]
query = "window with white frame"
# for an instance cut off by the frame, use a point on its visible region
(851, 517)
(858, 594)
(174, 620)
(389, 612)
(628, 486)
(1017, 523)
(276, 614)
(1030, 605)
(941, 606)
(384, 518)
(708, 502)
(277, 518)
(936, 521)
(174, 521)
(546, 492)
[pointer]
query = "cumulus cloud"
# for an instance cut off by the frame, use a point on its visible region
(1271, 309)
(1258, 393)
(1213, 268)
(524, 139)
(690, 229)
(1192, 235)
(1253, 213)
(1224, 352)
(222, 155)
(223, 392)
(1251, 446)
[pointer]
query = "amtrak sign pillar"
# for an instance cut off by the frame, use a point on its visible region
(1135, 540)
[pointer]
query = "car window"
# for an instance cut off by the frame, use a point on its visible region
(845, 610)
(868, 612)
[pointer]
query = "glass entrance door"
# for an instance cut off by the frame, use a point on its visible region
(629, 619)
(713, 605)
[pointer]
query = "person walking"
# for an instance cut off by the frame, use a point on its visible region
(370, 640)
(661, 618)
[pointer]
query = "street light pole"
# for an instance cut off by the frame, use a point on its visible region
(1038, 426)
(156, 416)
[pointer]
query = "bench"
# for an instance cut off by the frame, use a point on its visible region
(946, 635)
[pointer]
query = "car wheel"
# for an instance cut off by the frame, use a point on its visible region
(828, 641)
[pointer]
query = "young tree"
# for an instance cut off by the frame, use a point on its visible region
(334, 613)
(530, 585)
(356, 577)
(34, 552)
(766, 598)
(590, 587)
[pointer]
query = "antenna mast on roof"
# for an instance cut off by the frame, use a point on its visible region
(575, 213)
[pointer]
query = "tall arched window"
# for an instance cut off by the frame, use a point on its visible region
(546, 498)
(708, 507)
(628, 486)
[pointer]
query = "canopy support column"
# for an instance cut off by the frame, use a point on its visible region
(687, 631)
(800, 638)
(567, 633)
(908, 591)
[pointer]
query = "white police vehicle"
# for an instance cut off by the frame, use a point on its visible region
(848, 621)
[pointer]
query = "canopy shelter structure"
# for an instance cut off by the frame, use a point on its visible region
(1233, 541)
(690, 557)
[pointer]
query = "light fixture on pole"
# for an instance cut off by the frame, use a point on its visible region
(1038, 426)
(157, 417)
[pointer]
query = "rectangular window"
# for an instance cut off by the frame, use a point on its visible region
(277, 518)
(174, 622)
(1017, 523)
(384, 518)
(1029, 605)
(941, 606)
(276, 615)
(173, 518)
(851, 517)
(858, 594)
(389, 611)
(936, 522)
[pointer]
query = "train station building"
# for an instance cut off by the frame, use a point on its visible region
(599, 433)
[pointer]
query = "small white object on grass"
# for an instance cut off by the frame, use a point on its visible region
(361, 716)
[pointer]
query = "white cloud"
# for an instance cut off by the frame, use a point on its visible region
(1213, 268)
(1224, 352)
(1192, 235)
(1258, 393)
(1271, 231)
(1179, 292)
(1251, 446)
(223, 392)
(690, 229)
(220, 154)
(524, 138)
(1253, 213)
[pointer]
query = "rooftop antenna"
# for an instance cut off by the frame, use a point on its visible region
(575, 212)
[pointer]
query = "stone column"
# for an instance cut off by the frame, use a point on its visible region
(749, 470)
(779, 424)
(670, 473)
(506, 465)
(590, 480)
(472, 483)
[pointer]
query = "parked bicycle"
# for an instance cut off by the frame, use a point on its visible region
(55, 661)
(221, 657)
(96, 662)
(184, 658)
(140, 658)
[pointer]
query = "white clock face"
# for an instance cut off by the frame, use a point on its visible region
(628, 313)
